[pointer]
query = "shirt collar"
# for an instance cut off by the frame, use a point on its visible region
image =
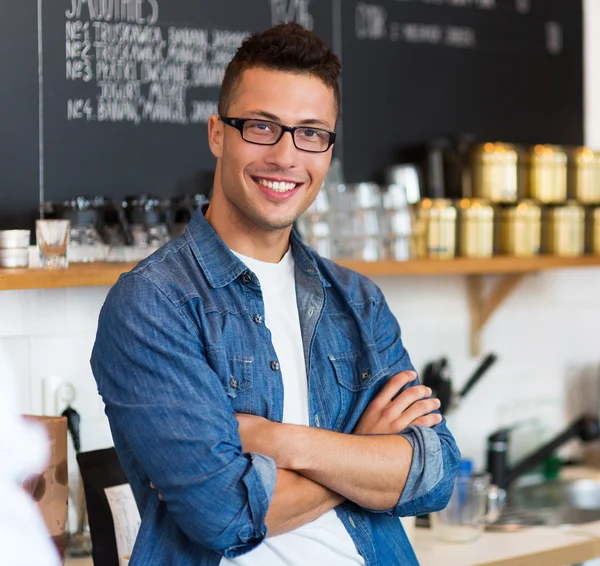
(221, 267)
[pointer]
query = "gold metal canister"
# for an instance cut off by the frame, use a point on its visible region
(563, 230)
(476, 228)
(436, 220)
(592, 223)
(547, 174)
(495, 172)
(584, 175)
(520, 229)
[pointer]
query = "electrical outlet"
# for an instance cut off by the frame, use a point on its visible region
(57, 394)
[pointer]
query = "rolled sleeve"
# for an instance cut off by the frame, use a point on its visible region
(260, 482)
(427, 467)
(432, 472)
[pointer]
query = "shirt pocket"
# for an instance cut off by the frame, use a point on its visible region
(358, 371)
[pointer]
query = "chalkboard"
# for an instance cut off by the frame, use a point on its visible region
(142, 79)
(501, 70)
(19, 195)
(111, 97)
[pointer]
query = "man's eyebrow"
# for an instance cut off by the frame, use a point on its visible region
(274, 118)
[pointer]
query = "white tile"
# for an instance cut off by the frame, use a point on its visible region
(12, 313)
(45, 312)
(15, 352)
(66, 358)
(83, 306)
(32, 312)
(95, 434)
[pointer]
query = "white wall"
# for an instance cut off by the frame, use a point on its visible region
(547, 334)
(592, 72)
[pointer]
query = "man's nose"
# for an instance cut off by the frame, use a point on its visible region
(284, 153)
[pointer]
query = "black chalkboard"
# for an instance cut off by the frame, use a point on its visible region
(121, 100)
(502, 70)
(506, 70)
(19, 194)
(131, 116)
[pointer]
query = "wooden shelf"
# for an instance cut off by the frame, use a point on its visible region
(77, 275)
(468, 266)
(96, 274)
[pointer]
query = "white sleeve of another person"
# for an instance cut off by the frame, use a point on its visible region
(24, 539)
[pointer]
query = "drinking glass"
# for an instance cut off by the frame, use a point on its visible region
(53, 242)
(474, 502)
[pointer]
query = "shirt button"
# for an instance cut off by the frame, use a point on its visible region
(365, 375)
(275, 365)
(258, 319)
(233, 382)
(246, 278)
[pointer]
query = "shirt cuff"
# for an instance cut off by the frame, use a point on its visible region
(267, 470)
(427, 467)
(260, 482)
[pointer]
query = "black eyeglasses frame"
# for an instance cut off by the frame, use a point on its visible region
(238, 124)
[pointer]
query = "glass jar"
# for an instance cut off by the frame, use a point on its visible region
(436, 229)
(476, 228)
(520, 229)
(563, 230)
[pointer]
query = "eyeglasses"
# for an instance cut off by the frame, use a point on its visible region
(265, 132)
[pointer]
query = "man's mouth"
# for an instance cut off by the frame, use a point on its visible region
(277, 186)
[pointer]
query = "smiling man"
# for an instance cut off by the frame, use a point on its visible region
(263, 391)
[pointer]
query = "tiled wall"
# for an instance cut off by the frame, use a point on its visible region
(48, 335)
(546, 336)
(547, 339)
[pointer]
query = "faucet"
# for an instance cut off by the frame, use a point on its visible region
(585, 427)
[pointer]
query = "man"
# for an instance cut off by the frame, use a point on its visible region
(263, 390)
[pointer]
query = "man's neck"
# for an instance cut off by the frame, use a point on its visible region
(249, 241)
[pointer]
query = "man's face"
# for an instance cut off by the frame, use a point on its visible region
(248, 171)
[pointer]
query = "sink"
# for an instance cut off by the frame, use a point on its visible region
(560, 502)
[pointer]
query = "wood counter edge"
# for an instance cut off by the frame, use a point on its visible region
(106, 274)
(76, 275)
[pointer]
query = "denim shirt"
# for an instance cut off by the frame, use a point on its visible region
(181, 347)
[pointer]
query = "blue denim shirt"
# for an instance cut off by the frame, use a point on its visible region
(180, 349)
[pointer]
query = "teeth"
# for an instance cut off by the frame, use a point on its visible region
(278, 186)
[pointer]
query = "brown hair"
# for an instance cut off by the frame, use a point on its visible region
(283, 47)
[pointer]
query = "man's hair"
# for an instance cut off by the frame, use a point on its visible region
(284, 47)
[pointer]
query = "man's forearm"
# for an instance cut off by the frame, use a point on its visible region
(297, 500)
(369, 470)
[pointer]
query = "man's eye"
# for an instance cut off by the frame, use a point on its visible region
(313, 135)
(262, 127)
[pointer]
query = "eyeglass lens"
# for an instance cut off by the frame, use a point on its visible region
(267, 133)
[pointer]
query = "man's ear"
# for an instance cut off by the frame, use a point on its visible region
(215, 135)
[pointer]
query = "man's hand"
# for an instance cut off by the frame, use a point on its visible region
(386, 415)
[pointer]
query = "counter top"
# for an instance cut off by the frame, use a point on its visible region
(535, 546)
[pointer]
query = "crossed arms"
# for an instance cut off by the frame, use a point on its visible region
(319, 469)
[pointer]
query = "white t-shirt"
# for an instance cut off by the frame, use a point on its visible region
(325, 540)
